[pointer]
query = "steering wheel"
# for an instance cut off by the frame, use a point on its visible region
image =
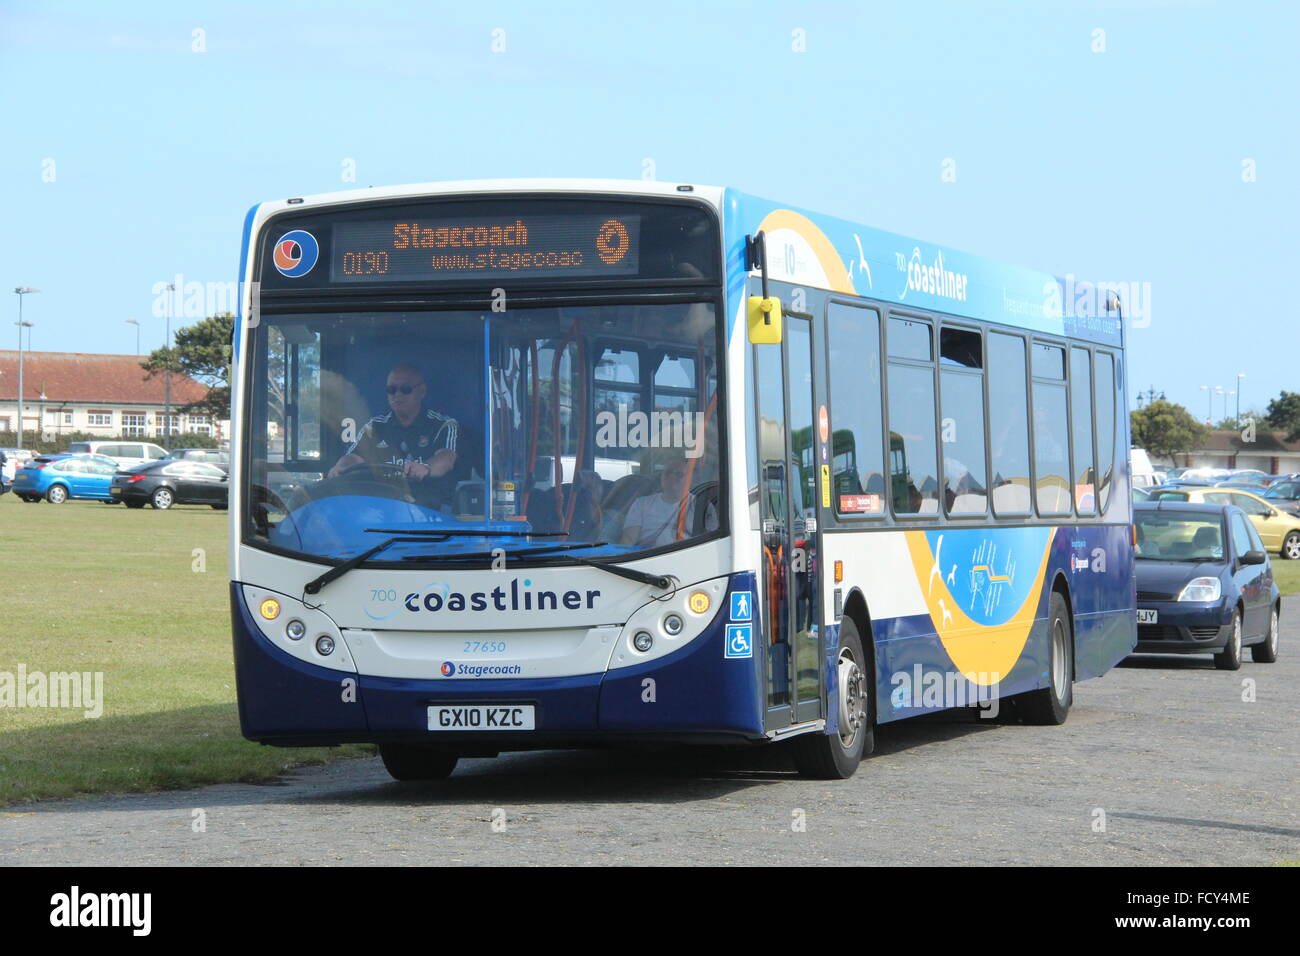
(377, 480)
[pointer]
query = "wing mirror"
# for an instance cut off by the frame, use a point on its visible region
(763, 313)
(1254, 557)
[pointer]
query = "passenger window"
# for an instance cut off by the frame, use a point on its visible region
(1240, 535)
(961, 432)
(914, 487)
(1008, 424)
(1105, 426)
(1085, 478)
(857, 433)
(910, 339)
(1051, 454)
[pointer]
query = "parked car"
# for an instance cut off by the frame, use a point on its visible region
(213, 456)
(1284, 494)
(1280, 530)
(1204, 583)
(1141, 473)
(15, 458)
(1140, 494)
(127, 454)
(56, 478)
(172, 482)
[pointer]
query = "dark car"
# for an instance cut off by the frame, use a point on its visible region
(1204, 583)
(213, 456)
(1284, 494)
(172, 482)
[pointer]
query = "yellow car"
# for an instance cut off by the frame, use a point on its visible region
(1279, 531)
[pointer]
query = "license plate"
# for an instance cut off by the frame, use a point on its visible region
(1146, 615)
(482, 717)
(115, 491)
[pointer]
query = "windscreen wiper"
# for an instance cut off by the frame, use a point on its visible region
(336, 572)
(662, 581)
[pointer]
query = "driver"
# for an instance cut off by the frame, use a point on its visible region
(418, 440)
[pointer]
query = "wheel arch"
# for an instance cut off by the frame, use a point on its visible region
(855, 608)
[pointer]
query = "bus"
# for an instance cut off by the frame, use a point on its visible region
(535, 464)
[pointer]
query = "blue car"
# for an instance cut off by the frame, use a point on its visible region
(1204, 583)
(56, 478)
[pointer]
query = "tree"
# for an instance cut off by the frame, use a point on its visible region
(1166, 429)
(1284, 414)
(202, 351)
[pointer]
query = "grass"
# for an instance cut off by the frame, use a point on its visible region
(1287, 575)
(98, 588)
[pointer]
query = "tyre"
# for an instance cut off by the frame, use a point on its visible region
(1229, 659)
(134, 504)
(414, 762)
(56, 494)
(1266, 653)
(163, 498)
(1050, 705)
(220, 507)
(836, 756)
(30, 499)
(1291, 546)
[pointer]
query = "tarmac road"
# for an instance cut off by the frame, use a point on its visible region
(1184, 770)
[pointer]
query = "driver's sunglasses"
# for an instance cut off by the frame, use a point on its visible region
(404, 389)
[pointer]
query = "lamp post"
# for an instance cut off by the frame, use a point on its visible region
(1225, 403)
(1209, 403)
(137, 334)
(167, 378)
(20, 292)
(1240, 376)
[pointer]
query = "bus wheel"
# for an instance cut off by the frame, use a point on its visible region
(1051, 705)
(413, 762)
(836, 756)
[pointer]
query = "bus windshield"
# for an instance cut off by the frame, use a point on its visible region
(473, 433)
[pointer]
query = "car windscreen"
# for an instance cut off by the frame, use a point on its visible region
(1167, 536)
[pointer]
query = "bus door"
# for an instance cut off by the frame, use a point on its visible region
(787, 459)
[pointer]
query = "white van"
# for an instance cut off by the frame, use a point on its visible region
(127, 454)
(1143, 475)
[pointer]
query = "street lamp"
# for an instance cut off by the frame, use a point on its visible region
(20, 292)
(1209, 403)
(167, 387)
(1240, 376)
(1225, 403)
(137, 334)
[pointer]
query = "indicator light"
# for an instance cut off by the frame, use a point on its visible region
(698, 602)
(839, 571)
(270, 609)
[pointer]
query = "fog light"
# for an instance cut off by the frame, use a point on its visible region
(295, 630)
(642, 641)
(325, 645)
(270, 609)
(699, 602)
(672, 624)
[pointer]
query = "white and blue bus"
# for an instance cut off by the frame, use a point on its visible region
(551, 464)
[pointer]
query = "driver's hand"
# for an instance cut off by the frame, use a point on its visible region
(417, 470)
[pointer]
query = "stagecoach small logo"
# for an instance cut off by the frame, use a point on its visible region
(295, 253)
(448, 669)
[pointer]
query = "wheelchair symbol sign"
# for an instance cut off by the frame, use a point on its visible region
(740, 641)
(742, 606)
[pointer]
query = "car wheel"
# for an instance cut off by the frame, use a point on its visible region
(836, 756)
(56, 494)
(163, 499)
(1229, 659)
(1051, 705)
(413, 762)
(1291, 546)
(1266, 653)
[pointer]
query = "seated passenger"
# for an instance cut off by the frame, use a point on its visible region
(652, 519)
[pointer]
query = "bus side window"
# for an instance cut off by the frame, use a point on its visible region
(1008, 424)
(857, 436)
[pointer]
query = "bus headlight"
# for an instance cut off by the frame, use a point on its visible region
(325, 645)
(295, 630)
(642, 641)
(1202, 590)
(673, 624)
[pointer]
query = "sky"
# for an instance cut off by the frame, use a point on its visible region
(1142, 142)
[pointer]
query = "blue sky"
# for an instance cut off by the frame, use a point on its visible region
(1122, 165)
